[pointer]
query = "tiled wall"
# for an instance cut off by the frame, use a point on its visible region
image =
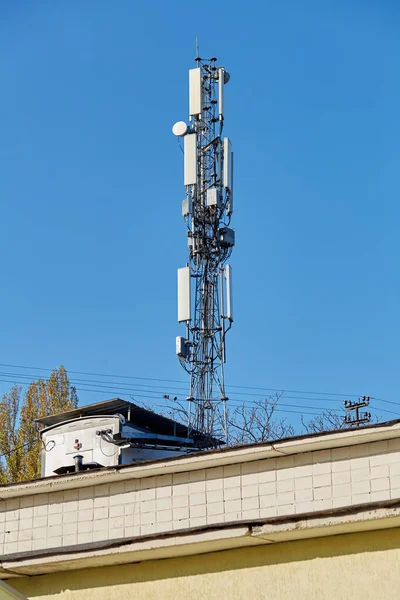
(262, 489)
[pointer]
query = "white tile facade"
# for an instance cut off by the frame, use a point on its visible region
(262, 489)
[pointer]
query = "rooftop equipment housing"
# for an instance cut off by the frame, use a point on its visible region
(110, 433)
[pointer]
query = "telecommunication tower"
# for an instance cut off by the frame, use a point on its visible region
(205, 283)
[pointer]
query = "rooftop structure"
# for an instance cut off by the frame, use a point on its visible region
(252, 497)
(110, 433)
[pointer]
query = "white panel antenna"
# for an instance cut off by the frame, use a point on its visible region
(228, 284)
(228, 170)
(186, 207)
(221, 83)
(184, 295)
(195, 92)
(190, 159)
(229, 202)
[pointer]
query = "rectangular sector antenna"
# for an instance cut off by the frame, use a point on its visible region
(221, 77)
(228, 280)
(186, 207)
(190, 162)
(194, 92)
(229, 208)
(228, 166)
(184, 304)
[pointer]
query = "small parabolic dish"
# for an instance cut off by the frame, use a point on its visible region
(180, 129)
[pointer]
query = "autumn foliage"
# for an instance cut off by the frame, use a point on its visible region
(20, 445)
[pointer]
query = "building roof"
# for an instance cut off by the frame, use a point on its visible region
(133, 413)
(296, 520)
(210, 458)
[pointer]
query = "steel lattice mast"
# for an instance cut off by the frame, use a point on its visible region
(207, 210)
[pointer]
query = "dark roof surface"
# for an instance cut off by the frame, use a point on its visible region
(135, 414)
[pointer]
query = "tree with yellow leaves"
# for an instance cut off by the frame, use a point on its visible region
(9, 438)
(20, 445)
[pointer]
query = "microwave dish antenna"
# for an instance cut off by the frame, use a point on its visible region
(180, 129)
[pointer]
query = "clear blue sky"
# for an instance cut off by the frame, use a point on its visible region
(91, 186)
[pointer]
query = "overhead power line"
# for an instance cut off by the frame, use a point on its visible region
(133, 393)
(110, 387)
(129, 393)
(126, 389)
(300, 410)
(171, 391)
(164, 389)
(16, 448)
(244, 387)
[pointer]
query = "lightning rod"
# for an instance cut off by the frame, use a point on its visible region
(205, 283)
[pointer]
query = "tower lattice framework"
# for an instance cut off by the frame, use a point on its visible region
(204, 285)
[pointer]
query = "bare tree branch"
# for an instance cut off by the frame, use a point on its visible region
(326, 421)
(257, 423)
